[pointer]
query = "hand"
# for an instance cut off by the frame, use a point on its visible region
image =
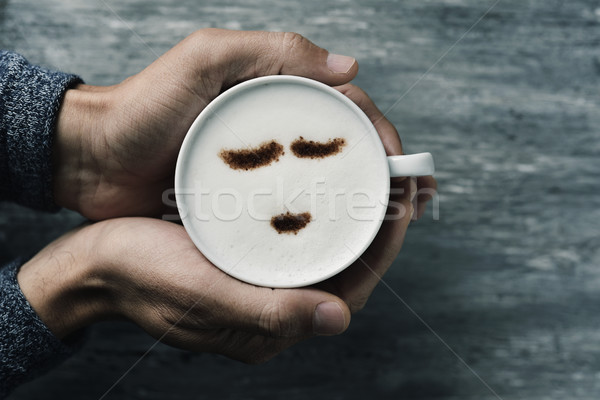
(116, 147)
(150, 272)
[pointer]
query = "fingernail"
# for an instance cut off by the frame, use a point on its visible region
(412, 212)
(339, 64)
(328, 319)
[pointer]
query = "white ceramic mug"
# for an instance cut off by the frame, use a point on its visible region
(282, 181)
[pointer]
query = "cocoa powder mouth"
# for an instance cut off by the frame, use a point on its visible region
(290, 223)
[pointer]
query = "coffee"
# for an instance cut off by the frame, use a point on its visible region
(281, 182)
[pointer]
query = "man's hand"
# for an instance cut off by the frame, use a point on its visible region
(150, 272)
(116, 147)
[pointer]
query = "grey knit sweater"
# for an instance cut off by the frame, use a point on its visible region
(29, 100)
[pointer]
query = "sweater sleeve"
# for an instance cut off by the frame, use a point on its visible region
(30, 97)
(27, 347)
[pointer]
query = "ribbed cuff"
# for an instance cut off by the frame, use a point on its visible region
(30, 98)
(27, 347)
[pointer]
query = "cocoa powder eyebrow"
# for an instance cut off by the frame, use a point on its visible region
(311, 149)
(254, 157)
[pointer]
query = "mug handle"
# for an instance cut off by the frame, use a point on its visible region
(420, 164)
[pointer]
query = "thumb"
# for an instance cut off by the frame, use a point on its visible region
(284, 313)
(237, 56)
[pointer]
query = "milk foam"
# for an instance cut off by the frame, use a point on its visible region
(228, 212)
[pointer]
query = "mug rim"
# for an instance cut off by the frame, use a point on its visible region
(208, 111)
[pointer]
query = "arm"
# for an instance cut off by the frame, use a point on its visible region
(29, 103)
(27, 347)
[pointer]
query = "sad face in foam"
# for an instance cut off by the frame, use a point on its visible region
(269, 152)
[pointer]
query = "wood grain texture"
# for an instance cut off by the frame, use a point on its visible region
(507, 277)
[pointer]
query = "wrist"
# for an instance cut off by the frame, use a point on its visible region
(80, 118)
(65, 286)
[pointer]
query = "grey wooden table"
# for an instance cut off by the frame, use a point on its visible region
(496, 298)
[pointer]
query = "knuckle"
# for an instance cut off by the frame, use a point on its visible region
(350, 89)
(358, 303)
(275, 319)
(292, 41)
(207, 33)
(267, 321)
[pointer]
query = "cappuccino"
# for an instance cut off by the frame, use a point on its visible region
(282, 182)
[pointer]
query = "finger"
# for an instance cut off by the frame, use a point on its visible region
(427, 189)
(281, 313)
(236, 56)
(357, 282)
(386, 130)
